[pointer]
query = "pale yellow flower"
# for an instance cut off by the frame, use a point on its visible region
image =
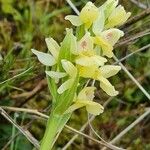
(112, 35)
(84, 60)
(86, 55)
(70, 71)
(104, 11)
(53, 47)
(85, 44)
(109, 6)
(87, 16)
(85, 99)
(107, 39)
(98, 24)
(45, 58)
(104, 45)
(56, 75)
(117, 17)
(101, 74)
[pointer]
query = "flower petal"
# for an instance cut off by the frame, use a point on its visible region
(107, 87)
(86, 93)
(53, 47)
(89, 61)
(44, 58)
(112, 35)
(87, 71)
(94, 108)
(99, 60)
(89, 14)
(85, 98)
(107, 52)
(106, 47)
(84, 61)
(65, 86)
(109, 70)
(109, 6)
(98, 24)
(117, 17)
(75, 20)
(69, 68)
(86, 43)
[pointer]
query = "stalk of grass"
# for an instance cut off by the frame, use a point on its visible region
(13, 132)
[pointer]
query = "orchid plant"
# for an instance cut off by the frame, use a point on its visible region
(81, 57)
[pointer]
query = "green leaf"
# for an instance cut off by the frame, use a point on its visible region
(80, 32)
(66, 46)
(66, 98)
(6, 1)
(52, 87)
(8, 9)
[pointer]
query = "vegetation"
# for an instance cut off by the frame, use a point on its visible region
(25, 25)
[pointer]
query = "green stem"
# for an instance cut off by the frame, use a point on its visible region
(55, 125)
(51, 131)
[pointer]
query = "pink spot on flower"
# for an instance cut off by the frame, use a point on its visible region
(84, 44)
(109, 35)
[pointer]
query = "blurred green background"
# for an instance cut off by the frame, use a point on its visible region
(24, 24)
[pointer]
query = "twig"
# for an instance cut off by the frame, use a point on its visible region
(139, 4)
(132, 78)
(25, 133)
(136, 18)
(133, 37)
(68, 127)
(121, 134)
(73, 7)
(29, 94)
(131, 54)
(109, 144)
(32, 111)
(10, 141)
(92, 139)
(76, 135)
(139, 119)
(25, 127)
(41, 85)
(116, 139)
